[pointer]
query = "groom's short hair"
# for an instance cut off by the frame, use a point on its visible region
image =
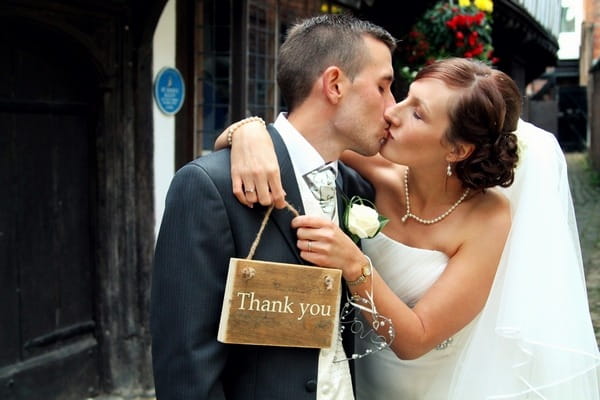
(317, 43)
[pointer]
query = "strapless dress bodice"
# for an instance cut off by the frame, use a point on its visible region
(408, 271)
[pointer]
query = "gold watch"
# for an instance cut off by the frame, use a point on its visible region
(365, 273)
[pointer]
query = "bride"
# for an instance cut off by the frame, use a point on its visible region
(482, 280)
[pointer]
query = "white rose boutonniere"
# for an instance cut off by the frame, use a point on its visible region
(361, 219)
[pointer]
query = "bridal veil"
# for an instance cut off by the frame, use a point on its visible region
(534, 338)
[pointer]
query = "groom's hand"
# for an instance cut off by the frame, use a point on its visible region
(323, 243)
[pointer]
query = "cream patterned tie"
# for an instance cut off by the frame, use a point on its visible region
(321, 182)
(334, 378)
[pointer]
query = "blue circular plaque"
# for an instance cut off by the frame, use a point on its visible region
(169, 90)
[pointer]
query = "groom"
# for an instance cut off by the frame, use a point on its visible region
(335, 74)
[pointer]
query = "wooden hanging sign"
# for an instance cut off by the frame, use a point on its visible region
(277, 304)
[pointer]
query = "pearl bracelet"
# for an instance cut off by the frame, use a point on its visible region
(244, 121)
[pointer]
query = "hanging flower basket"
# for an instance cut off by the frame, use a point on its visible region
(448, 30)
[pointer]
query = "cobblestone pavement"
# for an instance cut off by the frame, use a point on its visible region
(585, 189)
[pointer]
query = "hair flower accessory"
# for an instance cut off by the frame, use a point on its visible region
(361, 220)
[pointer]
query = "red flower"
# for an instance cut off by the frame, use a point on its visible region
(473, 38)
(477, 50)
(479, 17)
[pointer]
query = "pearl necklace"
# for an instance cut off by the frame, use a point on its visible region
(428, 221)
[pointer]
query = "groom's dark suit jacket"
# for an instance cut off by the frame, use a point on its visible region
(202, 227)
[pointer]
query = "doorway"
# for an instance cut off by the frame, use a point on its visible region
(48, 118)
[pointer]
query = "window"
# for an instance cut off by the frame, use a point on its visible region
(262, 44)
(567, 20)
(265, 27)
(213, 70)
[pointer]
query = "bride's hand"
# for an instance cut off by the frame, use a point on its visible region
(323, 243)
(254, 167)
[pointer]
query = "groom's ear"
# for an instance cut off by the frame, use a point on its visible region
(332, 81)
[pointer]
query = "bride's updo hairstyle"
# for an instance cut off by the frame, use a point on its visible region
(484, 112)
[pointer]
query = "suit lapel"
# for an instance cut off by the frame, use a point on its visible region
(283, 218)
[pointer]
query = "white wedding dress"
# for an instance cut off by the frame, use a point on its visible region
(534, 338)
(409, 272)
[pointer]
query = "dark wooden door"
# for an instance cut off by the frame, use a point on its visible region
(48, 348)
(572, 117)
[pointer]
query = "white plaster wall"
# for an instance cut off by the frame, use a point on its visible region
(164, 125)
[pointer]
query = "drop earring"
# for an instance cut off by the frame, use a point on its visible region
(449, 170)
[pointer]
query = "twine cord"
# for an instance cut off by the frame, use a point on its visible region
(264, 224)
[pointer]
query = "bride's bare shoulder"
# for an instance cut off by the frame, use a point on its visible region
(493, 207)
